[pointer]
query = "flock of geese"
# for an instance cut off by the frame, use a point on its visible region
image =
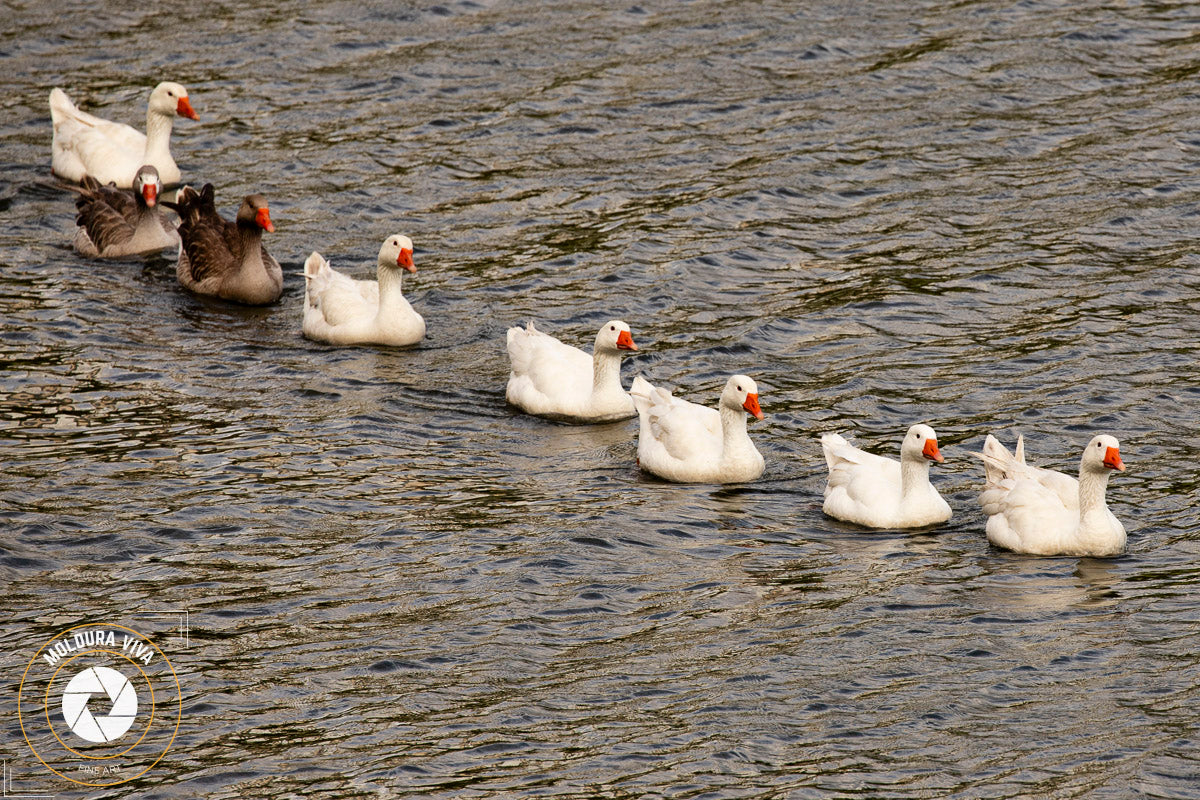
(121, 174)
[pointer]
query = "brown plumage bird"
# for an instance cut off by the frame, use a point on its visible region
(115, 223)
(226, 259)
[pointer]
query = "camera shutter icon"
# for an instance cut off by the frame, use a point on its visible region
(99, 704)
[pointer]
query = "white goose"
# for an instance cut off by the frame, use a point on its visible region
(1045, 513)
(689, 443)
(111, 152)
(341, 310)
(558, 381)
(879, 492)
(114, 223)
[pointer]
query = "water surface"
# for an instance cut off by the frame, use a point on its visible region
(977, 215)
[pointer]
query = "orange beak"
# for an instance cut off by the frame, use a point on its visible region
(751, 405)
(184, 109)
(1112, 459)
(405, 259)
(263, 218)
(625, 341)
(150, 194)
(931, 451)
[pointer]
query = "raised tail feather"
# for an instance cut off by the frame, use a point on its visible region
(313, 265)
(831, 443)
(641, 388)
(998, 463)
(183, 202)
(191, 205)
(642, 392)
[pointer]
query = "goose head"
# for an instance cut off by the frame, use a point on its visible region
(1102, 454)
(147, 185)
(170, 98)
(614, 336)
(397, 251)
(741, 393)
(254, 213)
(920, 443)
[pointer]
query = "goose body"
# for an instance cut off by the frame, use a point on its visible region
(878, 492)
(226, 259)
(114, 223)
(1042, 512)
(341, 310)
(112, 152)
(551, 379)
(690, 443)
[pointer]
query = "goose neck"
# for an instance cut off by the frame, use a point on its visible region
(146, 218)
(1093, 486)
(158, 136)
(606, 372)
(914, 474)
(733, 429)
(251, 238)
(391, 286)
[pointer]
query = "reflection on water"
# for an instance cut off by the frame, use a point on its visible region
(974, 216)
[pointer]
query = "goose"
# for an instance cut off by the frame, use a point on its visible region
(689, 443)
(226, 259)
(114, 223)
(878, 492)
(555, 380)
(1045, 513)
(111, 152)
(341, 310)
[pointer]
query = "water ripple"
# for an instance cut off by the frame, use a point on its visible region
(975, 216)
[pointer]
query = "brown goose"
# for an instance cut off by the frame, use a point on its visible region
(226, 259)
(114, 223)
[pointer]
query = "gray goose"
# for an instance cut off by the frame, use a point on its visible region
(226, 259)
(115, 223)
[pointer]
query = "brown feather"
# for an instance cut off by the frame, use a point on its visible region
(108, 214)
(215, 250)
(207, 237)
(123, 200)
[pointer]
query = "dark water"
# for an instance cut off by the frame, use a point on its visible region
(980, 215)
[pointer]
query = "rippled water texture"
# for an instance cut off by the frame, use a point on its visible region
(981, 215)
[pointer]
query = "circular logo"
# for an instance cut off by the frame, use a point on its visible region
(99, 705)
(106, 682)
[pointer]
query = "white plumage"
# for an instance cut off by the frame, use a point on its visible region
(111, 152)
(1043, 512)
(689, 443)
(341, 310)
(555, 380)
(879, 492)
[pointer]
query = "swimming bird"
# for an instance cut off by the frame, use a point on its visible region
(879, 492)
(341, 310)
(113, 223)
(111, 152)
(690, 443)
(226, 259)
(555, 380)
(1042, 512)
